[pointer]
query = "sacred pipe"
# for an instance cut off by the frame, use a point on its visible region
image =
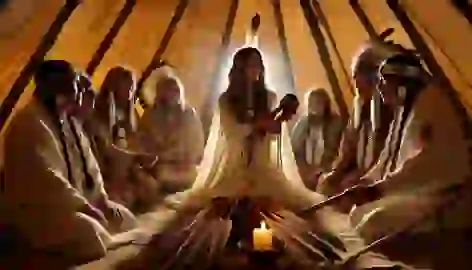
(107, 41)
(448, 204)
(47, 42)
(454, 189)
(156, 60)
(336, 198)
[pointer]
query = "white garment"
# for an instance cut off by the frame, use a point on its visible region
(225, 172)
(423, 170)
(273, 171)
(176, 137)
(314, 153)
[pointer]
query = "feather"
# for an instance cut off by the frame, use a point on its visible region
(292, 247)
(328, 251)
(294, 222)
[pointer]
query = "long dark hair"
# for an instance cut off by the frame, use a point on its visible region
(323, 94)
(237, 90)
(108, 90)
(50, 79)
(412, 86)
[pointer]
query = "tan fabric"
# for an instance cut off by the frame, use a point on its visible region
(360, 146)
(424, 168)
(230, 175)
(329, 135)
(37, 188)
(125, 181)
(177, 139)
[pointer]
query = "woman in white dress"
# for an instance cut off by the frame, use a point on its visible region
(233, 169)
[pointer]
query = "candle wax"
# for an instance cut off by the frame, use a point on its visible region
(262, 238)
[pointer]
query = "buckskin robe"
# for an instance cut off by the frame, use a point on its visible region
(176, 138)
(40, 202)
(433, 155)
(362, 142)
(125, 180)
(315, 145)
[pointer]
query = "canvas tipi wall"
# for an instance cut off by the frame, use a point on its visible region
(305, 43)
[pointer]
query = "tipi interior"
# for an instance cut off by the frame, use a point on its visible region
(305, 43)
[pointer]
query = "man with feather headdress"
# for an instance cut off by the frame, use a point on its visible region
(367, 129)
(426, 160)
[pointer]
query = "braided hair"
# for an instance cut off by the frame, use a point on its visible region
(51, 79)
(106, 101)
(411, 80)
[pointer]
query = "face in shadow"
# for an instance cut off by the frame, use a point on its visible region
(168, 92)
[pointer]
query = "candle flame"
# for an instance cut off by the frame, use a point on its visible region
(263, 225)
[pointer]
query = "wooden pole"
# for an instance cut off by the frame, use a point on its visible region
(47, 42)
(106, 43)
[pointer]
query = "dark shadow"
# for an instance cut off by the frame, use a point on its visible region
(4, 4)
(325, 58)
(47, 41)
(288, 68)
(464, 7)
(156, 60)
(223, 52)
(110, 36)
(2, 180)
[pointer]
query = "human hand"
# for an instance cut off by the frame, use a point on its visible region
(310, 173)
(362, 194)
(95, 213)
(220, 208)
(112, 213)
(350, 180)
(266, 124)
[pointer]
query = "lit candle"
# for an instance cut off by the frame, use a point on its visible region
(262, 238)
